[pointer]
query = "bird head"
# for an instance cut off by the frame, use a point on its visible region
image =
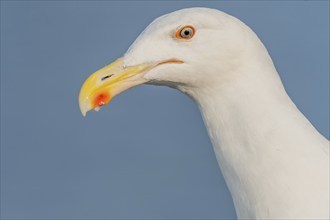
(189, 48)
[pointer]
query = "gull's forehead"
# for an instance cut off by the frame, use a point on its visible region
(199, 17)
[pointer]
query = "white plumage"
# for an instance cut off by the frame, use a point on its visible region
(274, 161)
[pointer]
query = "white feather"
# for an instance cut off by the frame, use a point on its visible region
(275, 163)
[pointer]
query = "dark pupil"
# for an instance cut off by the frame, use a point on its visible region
(186, 32)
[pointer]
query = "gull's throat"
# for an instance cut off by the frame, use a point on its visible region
(265, 148)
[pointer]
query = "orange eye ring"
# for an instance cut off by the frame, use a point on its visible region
(185, 33)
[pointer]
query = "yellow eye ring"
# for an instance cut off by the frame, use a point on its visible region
(185, 33)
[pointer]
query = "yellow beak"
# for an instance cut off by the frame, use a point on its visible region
(104, 84)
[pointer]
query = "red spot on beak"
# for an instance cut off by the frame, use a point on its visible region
(101, 99)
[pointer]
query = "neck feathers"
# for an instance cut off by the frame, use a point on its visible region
(274, 161)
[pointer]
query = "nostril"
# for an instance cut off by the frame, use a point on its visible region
(106, 77)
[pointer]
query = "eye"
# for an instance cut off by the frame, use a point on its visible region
(186, 33)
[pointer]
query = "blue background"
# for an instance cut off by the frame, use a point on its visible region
(146, 154)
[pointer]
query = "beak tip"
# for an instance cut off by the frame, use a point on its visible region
(83, 112)
(83, 108)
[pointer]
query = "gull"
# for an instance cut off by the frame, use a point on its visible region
(275, 163)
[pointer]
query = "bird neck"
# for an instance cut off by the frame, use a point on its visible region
(257, 132)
